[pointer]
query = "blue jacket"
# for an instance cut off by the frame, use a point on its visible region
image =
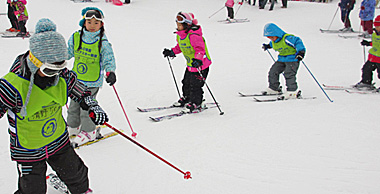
(367, 10)
(293, 41)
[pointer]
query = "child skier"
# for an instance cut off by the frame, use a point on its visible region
(93, 55)
(291, 52)
(373, 61)
(366, 14)
(230, 9)
(12, 17)
(20, 12)
(191, 43)
(346, 6)
(33, 94)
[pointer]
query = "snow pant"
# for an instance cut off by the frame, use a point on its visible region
(66, 163)
(367, 26)
(367, 71)
(76, 116)
(290, 71)
(345, 17)
(264, 2)
(192, 86)
(12, 17)
(230, 12)
(21, 26)
(285, 3)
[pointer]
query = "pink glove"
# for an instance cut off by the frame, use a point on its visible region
(16, 12)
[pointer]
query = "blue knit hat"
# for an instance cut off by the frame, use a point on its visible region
(81, 22)
(46, 46)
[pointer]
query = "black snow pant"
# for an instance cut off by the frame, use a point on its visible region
(230, 12)
(12, 17)
(285, 3)
(367, 72)
(21, 26)
(264, 2)
(192, 86)
(66, 163)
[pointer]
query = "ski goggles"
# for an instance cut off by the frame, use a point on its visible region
(181, 19)
(93, 14)
(48, 69)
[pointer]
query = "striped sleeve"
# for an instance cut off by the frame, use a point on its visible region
(76, 89)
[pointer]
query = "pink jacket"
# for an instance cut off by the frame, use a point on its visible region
(229, 3)
(196, 41)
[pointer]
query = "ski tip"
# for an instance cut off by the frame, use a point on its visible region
(154, 119)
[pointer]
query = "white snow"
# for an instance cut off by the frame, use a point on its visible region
(292, 147)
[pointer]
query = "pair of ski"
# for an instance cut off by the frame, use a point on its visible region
(103, 137)
(277, 97)
(350, 89)
(173, 115)
(227, 21)
(345, 34)
(13, 35)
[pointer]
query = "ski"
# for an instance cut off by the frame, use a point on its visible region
(235, 21)
(352, 36)
(162, 108)
(105, 136)
(282, 98)
(331, 87)
(175, 115)
(54, 181)
(14, 35)
(251, 95)
(337, 31)
(362, 91)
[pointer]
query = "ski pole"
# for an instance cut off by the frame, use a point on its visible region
(216, 12)
(134, 134)
(187, 174)
(317, 82)
(204, 80)
(175, 81)
(333, 18)
(271, 56)
(364, 53)
(241, 3)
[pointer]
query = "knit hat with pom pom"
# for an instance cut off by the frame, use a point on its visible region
(46, 46)
(81, 22)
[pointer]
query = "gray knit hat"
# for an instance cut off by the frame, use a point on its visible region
(46, 46)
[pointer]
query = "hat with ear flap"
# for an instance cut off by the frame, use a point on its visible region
(45, 46)
(84, 11)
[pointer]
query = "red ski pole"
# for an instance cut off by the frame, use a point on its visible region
(134, 134)
(187, 174)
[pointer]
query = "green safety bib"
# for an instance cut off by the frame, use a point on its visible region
(87, 60)
(375, 45)
(283, 48)
(188, 50)
(44, 122)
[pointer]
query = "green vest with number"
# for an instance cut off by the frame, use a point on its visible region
(44, 122)
(188, 50)
(375, 45)
(283, 48)
(87, 60)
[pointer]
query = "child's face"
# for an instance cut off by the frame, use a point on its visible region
(272, 38)
(93, 25)
(377, 28)
(180, 26)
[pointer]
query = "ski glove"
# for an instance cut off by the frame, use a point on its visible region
(300, 55)
(365, 43)
(266, 47)
(111, 78)
(168, 53)
(97, 115)
(196, 63)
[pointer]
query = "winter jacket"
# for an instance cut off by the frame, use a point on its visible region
(20, 11)
(11, 102)
(290, 40)
(198, 43)
(107, 59)
(367, 10)
(347, 4)
(229, 3)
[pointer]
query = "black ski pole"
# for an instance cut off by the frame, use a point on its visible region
(204, 80)
(333, 18)
(216, 12)
(175, 81)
